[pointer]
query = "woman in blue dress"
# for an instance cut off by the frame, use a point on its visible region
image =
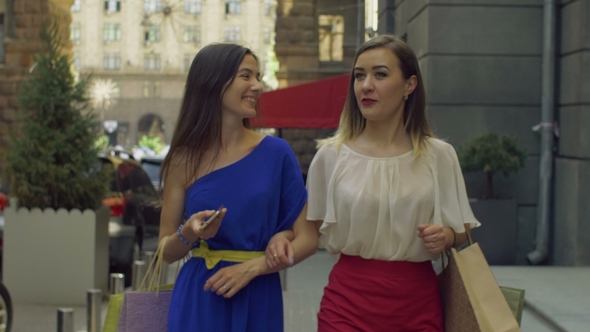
(215, 160)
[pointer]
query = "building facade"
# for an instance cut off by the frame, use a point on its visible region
(482, 63)
(145, 47)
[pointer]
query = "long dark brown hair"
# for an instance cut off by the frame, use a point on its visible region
(352, 121)
(198, 128)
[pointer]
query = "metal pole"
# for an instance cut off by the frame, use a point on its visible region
(93, 309)
(148, 256)
(117, 283)
(547, 134)
(137, 274)
(283, 277)
(65, 320)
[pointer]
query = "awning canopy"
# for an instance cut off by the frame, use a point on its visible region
(315, 104)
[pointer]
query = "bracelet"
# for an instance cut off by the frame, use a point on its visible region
(454, 237)
(185, 241)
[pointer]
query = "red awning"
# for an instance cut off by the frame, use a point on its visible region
(315, 104)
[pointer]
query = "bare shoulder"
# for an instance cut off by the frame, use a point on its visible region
(177, 169)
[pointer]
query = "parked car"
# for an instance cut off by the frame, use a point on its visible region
(135, 214)
(152, 167)
(5, 309)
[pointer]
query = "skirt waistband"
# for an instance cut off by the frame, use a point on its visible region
(380, 268)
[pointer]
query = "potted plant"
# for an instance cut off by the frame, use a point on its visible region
(493, 153)
(56, 232)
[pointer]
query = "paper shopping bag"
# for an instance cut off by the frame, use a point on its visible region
(127, 311)
(515, 299)
(472, 299)
(145, 311)
(113, 313)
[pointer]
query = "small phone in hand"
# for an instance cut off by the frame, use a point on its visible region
(213, 217)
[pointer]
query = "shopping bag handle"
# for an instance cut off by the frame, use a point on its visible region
(442, 254)
(155, 268)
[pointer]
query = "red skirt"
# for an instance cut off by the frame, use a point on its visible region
(373, 295)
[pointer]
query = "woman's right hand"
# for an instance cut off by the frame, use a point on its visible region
(192, 228)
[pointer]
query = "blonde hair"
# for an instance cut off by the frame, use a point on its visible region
(352, 122)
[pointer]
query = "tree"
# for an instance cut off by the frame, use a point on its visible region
(52, 161)
(491, 153)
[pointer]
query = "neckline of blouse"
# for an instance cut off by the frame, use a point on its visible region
(403, 155)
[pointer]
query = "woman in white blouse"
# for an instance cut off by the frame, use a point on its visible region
(387, 198)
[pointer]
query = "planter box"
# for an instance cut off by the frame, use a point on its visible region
(54, 257)
(497, 234)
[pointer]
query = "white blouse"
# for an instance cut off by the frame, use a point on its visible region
(371, 207)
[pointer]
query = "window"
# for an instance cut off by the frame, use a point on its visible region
(192, 6)
(75, 32)
(151, 62)
(112, 6)
(77, 64)
(331, 37)
(192, 33)
(76, 6)
(111, 32)
(266, 35)
(111, 61)
(151, 89)
(233, 7)
(153, 33)
(152, 6)
(268, 4)
(188, 60)
(151, 125)
(232, 34)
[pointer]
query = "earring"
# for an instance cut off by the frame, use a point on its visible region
(405, 97)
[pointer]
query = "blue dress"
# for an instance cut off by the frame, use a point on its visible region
(264, 194)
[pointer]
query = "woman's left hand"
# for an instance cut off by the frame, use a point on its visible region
(434, 238)
(229, 280)
(280, 252)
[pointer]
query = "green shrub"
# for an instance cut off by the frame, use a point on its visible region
(52, 160)
(491, 153)
(152, 143)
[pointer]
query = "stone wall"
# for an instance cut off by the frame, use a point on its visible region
(572, 167)
(481, 64)
(296, 41)
(297, 51)
(21, 42)
(303, 143)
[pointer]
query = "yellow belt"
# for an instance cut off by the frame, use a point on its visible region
(212, 257)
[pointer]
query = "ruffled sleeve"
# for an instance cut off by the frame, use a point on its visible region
(318, 177)
(454, 207)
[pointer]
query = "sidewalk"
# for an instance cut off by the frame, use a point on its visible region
(561, 293)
